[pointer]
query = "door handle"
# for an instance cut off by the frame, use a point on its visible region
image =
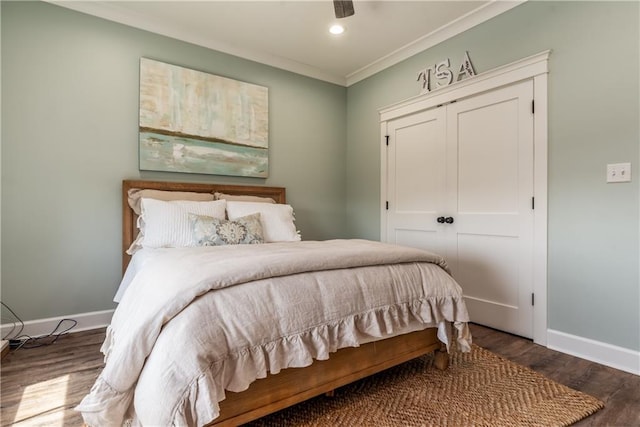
(441, 220)
(449, 220)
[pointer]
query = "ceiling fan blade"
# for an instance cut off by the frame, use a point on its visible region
(343, 8)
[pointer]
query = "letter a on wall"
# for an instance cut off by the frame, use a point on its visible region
(466, 68)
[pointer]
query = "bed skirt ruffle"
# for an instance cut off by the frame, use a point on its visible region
(238, 370)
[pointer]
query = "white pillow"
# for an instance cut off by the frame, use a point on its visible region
(167, 224)
(227, 197)
(277, 219)
(137, 194)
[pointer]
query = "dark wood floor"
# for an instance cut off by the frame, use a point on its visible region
(620, 391)
(41, 386)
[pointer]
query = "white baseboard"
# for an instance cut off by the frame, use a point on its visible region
(613, 356)
(38, 327)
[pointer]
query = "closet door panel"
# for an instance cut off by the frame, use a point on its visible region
(487, 166)
(489, 189)
(416, 179)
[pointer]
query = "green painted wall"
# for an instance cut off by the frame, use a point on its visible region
(594, 115)
(69, 137)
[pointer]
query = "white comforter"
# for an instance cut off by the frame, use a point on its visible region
(198, 321)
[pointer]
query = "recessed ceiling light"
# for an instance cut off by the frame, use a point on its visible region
(336, 29)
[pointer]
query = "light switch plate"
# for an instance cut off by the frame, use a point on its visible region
(619, 172)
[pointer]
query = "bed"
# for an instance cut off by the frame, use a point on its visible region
(150, 362)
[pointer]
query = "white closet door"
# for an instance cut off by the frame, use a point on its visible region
(415, 179)
(489, 187)
(460, 183)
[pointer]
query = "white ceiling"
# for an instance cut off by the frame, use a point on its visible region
(293, 34)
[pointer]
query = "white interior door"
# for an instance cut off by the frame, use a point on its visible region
(489, 184)
(416, 177)
(460, 183)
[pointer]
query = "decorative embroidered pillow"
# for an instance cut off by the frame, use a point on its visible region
(208, 231)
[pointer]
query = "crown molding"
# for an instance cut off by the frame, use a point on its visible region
(460, 25)
(113, 12)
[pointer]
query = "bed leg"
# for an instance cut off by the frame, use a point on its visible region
(441, 358)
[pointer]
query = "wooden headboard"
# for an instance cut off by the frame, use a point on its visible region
(129, 218)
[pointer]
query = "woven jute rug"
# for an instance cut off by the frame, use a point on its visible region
(478, 389)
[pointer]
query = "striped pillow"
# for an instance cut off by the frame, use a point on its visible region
(167, 224)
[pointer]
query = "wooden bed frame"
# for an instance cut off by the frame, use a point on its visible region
(293, 385)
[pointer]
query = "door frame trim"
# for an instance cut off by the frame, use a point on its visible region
(536, 68)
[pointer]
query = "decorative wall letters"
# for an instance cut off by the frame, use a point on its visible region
(440, 74)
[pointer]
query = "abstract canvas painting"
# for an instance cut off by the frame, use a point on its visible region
(196, 122)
